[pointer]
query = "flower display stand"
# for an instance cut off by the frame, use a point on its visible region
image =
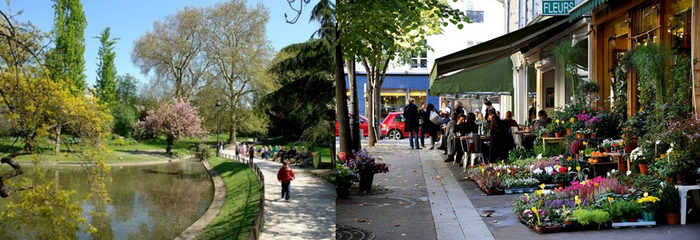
(639, 223)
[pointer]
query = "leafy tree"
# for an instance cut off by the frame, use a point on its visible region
(34, 104)
(384, 32)
(106, 70)
(67, 62)
(175, 119)
(127, 89)
(173, 50)
(239, 52)
(124, 118)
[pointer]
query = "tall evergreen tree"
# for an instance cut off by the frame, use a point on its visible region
(106, 84)
(66, 61)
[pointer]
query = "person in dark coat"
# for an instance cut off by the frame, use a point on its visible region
(543, 120)
(501, 139)
(421, 122)
(412, 126)
(429, 127)
(460, 108)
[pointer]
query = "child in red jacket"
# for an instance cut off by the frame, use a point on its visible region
(285, 175)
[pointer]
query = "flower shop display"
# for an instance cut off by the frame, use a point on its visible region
(649, 204)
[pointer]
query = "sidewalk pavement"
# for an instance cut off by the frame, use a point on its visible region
(310, 212)
(427, 202)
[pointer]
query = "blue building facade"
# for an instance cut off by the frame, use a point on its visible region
(396, 90)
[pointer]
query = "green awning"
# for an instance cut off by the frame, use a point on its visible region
(490, 77)
(583, 8)
(501, 47)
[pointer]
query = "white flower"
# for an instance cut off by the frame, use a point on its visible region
(546, 192)
(532, 166)
(671, 145)
(629, 172)
(537, 171)
(669, 150)
(608, 174)
(539, 156)
(549, 170)
(659, 141)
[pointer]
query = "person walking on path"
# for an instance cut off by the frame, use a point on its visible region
(412, 126)
(285, 175)
(429, 127)
(421, 122)
(251, 152)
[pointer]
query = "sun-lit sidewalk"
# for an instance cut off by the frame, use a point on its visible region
(310, 212)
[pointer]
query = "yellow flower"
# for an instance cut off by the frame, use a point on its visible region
(585, 143)
(578, 168)
(542, 186)
(583, 183)
(556, 121)
(646, 194)
(596, 184)
(569, 167)
(534, 209)
(539, 192)
(571, 120)
(568, 159)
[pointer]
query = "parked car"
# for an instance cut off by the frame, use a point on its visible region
(363, 125)
(393, 126)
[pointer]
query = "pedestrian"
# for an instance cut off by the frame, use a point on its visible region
(449, 139)
(251, 152)
(412, 126)
(460, 108)
(501, 139)
(449, 105)
(429, 127)
(285, 176)
(422, 122)
(238, 149)
(444, 108)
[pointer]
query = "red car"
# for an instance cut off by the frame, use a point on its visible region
(393, 126)
(363, 125)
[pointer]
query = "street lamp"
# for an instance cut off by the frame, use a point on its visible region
(218, 143)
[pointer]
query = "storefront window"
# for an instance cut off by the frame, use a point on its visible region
(418, 95)
(393, 100)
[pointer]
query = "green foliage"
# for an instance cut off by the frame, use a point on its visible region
(553, 150)
(126, 89)
(202, 152)
(650, 61)
(519, 153)
(567, 57)
(680, 89)
(66, 62)
(124, 119)
(670, 198)
(106, 84)
(585, 217)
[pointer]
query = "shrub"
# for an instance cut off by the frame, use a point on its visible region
(670, 198)
(124, 119)
(202, 152)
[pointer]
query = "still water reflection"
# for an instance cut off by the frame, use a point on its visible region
(148, 202)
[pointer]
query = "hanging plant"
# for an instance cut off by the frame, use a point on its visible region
(567, 55)
(650, 63)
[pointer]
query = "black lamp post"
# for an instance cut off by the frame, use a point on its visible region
(218, 143)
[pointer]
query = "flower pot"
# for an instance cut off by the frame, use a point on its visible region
(581, 136)
(672, 218)
(561, 184)
(648, 216)
(366, 182)
(342, 192)
(568, 131)
(628, 149)
(567, 222)
(559, 135)
(594, 134)
(607, 150)
(632, 220)
(643, 169)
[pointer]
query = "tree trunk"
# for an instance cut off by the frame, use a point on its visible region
(355, 111)
(57, 145)
(169, 141)
(340, 98)
(370, 109)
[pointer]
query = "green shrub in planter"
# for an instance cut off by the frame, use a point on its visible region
(670, 198)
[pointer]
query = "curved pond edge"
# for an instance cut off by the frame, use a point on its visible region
(216, 204)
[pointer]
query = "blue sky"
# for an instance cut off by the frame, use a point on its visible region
(130, 19)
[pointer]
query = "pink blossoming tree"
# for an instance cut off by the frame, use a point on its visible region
(176, 119)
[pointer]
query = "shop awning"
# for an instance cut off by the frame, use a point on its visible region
(583, 8)
(501, 47)
(489, 77)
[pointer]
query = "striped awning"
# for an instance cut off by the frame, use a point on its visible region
(584, 8)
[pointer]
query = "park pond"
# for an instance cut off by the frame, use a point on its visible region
(156, 201)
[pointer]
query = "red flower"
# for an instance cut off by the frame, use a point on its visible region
(602, 109)
(584, 111)
(562, 169)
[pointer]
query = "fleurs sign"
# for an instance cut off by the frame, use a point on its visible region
(557, 7)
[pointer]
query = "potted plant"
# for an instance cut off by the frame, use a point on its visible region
(648, 203)
(366, 166)
(557, 127)
(606, 145)
(670, 202)
(631, 210)
(637, 156)
(344, 177)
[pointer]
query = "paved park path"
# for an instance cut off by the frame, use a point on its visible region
(310, 212)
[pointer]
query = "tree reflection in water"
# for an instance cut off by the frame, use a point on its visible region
(148, 202)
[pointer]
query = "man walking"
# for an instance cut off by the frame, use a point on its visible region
(412, 126)
(251, 152)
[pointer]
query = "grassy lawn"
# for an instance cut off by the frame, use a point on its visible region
(243, 193)
(290, 141)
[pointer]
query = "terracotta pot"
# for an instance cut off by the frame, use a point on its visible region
(644, 169)
(568, 131)
(594, 134)
(668, 179)
(559, 135)
(561, 184)
(628, 150)
(672, 218)
(632, 220)
(607, 150)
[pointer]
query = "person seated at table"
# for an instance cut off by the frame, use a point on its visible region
(465, 125)
(501, 139)
(542, 121)
(449, 140)
(509, 120)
